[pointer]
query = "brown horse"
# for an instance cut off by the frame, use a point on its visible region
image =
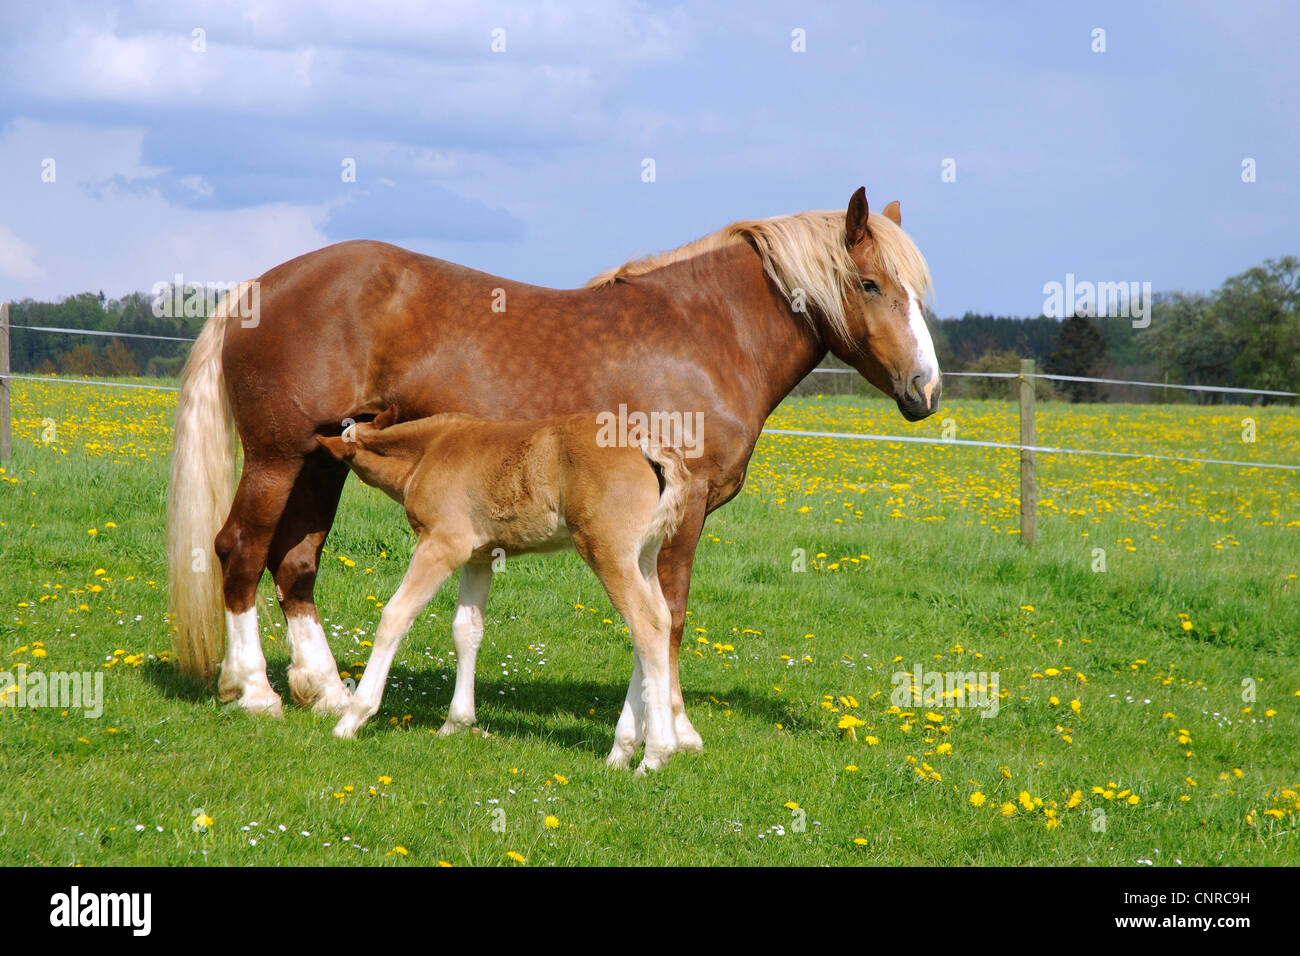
(722, 328)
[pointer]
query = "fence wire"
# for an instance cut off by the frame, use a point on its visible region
(907, 439)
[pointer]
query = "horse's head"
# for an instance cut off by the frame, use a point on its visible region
(884, 335)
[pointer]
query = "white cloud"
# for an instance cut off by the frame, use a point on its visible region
(17, 258)
(100, 225)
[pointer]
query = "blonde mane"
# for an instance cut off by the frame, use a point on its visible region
(805, 251)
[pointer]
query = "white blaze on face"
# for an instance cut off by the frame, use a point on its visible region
(927, 365)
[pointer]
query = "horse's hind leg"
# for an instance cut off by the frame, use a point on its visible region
(293, 560)
(242, 546)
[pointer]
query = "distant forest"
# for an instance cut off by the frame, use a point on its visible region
(1246, 334)
(47, 353)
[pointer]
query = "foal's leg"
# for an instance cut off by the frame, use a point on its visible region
(631, 721)
(242, 546)
(430, 567)
(649, 623)
(294, 557)
(467, 632)
(648, 619)
(675, 560)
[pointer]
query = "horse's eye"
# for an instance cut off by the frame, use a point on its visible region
(869, 287)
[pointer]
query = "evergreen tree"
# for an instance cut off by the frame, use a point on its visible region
(1080, 349)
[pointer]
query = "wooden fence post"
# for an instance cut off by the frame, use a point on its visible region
(5, 447)
(1028, 467)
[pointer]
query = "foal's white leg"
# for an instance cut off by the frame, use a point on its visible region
(631, 722)
(467, 632)
(313, 674)
(660, 735)
(426, 574)
(243, 671)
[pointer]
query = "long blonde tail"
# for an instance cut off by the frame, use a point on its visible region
(199, 497)
(677, 480)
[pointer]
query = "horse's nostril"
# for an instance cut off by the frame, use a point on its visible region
(923, 390)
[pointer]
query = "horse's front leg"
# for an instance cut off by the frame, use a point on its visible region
(467, 633)
(429, 568)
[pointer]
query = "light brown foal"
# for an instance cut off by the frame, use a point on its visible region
(474, 489)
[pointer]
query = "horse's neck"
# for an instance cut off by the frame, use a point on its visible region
(749, 310)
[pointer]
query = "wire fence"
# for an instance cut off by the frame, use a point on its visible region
(1027, 447)
(1101, 381)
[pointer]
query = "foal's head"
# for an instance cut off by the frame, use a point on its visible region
(884, 335)
(363, 447)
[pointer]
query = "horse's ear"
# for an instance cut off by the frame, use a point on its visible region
(340, 447)
(855, 220)
(893, 212)
(387, 417)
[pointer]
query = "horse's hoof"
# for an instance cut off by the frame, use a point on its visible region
(263, 704)
(619, 759)
(323, 692)
(332, 706)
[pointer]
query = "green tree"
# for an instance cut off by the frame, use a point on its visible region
(1080, 349)
(1262, 307)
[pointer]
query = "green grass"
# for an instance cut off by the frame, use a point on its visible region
(945, 586)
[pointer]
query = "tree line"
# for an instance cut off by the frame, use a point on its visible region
(48, 353)
(1244, 334)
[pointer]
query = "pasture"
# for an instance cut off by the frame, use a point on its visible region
(1149, 708)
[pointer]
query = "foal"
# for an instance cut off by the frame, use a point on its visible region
(472, 486)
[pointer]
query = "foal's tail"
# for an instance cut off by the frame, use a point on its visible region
(676, 480)
(199, 498)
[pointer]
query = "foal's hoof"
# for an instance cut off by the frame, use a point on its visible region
(651, 761)
(618, 758)
(451, 726)
(348, 725)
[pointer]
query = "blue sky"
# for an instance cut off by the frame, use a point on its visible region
(1117, 166)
